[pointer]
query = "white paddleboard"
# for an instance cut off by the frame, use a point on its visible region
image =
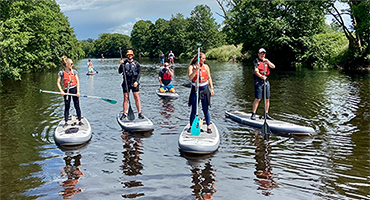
(167, 94)
(136, 125)
(274, 125)
(73, 134)
(204, 143)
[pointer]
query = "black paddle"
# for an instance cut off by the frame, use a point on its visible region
(265, 128)
(130, 114)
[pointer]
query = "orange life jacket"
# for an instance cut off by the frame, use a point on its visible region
(262, 66)
(69, 79)
(203, 75)
(89, 64)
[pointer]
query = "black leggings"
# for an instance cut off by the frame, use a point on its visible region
(67, 104)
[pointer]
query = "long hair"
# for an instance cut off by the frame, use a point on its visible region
(195, 58)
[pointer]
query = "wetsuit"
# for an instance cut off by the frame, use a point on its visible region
(132, 70)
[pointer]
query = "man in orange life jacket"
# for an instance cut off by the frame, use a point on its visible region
(165, 78)
(260, 73)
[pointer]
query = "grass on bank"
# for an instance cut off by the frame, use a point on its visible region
(225, 53)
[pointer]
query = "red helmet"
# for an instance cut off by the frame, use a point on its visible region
(130, 52)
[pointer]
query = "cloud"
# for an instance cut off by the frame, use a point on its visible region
(124, 29)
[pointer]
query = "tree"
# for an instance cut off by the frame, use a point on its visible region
(34, 35)
(140, 36)
(281, 27)
(108, 44)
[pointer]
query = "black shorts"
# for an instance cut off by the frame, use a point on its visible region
(130, 88)
(258, 89)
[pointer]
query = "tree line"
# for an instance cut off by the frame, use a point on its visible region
(35, 34)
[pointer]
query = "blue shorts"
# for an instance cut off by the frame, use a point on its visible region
(258, 89)
(162, 60)
(167, 87)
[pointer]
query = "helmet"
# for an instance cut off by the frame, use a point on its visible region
(130, 52)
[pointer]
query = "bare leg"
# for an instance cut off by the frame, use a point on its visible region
(267, 105)
(255, 105)
(137, 101)
(125, 103)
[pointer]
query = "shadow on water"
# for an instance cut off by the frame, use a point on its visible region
(71, 170)
(203, 175)
(131, 163)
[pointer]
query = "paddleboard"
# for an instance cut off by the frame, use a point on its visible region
(73, 134)
(274, 125)
(167, 94)
(90, 73)
(204, 143)
(136, 125)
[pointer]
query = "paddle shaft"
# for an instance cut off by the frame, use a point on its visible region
(197, 88)
(70, 94)
(265, 127)
(130, 112)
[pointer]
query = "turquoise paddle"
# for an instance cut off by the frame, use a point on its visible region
(69, 94)
(195, 127)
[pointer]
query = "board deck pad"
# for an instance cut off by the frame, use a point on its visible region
(73, 134)
(274, 125)
(136, 125)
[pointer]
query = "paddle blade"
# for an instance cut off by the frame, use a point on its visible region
(109, 100)
(266, 132)
(130, 114)
(195, 127)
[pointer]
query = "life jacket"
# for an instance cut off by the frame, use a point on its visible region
(89, 64)
(131, 69)
(203, 75)
(262, 66)
(166, 77)
(69, 79)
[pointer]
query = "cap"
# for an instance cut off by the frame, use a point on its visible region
(130, 52)
(261, 50)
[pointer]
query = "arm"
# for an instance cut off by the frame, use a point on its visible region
(78, 85)
(261, 76)
(191, 72)
(270, 64)
(58, 84)
(138, 75)
(210, 80)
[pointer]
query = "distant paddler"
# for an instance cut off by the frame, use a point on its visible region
(165, 79)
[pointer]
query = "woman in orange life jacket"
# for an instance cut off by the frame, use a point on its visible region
(205, 88)
(165, 79)
(260, 76)
(71, 84)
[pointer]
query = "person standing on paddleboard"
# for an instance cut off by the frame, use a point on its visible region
(261, 71)
(132, 69)
(161, 59)
(205, 88)
(165, 79)
(71, 84)
(171, 58)
(90, 67)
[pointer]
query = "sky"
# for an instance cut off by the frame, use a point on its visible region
(89, 18)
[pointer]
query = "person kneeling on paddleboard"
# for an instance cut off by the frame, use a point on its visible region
(165, 79)
(130, 69)
(71, 84)
(260, 73)
(205, 88)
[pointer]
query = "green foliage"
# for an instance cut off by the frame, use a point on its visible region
(276, 26)
(108, 44)
(33, 36)
(322, 50)
(225, 53)
(140, 36)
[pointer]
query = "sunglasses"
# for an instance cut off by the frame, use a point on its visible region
(71, 64)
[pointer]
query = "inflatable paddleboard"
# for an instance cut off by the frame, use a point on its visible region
(90, 73)
(136, 125)
(73, 134)
(204, 143)
(167, 94)
(274, 125)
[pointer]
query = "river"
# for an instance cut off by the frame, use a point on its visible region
(334, 164)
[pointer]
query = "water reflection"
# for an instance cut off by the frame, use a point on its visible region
(264, 176)
(203, 176)
(91, 84)
(131, 163)
(71, 171)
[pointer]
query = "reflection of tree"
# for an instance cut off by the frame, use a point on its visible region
(263, 169)
(131, 165)
(73, 173)
(203, 178)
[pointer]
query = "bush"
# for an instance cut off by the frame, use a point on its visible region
(225, 53)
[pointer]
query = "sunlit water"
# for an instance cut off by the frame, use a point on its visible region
(334, 164)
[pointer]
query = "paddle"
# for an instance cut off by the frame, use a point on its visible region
(70, 94)
(96, 71)
(266, 132)
(195, 127)
(130, 114)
